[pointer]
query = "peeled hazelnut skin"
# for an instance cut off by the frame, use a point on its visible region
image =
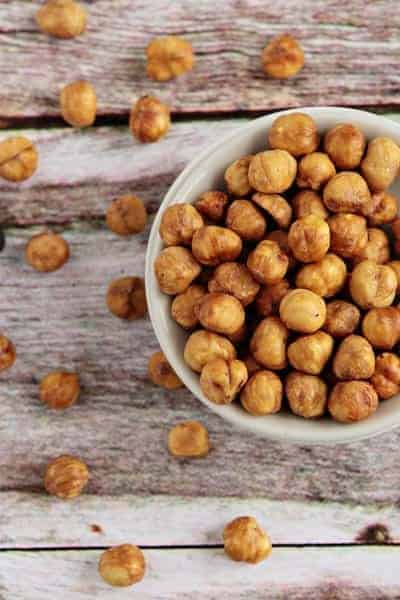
(221, 313)
(246, 220)
(276, 205)
(203, 346)
(310, 353)
(381, 163)
(168, 57)
(386, 378)
(65, 477)
(373, 285)
(381, 327)
(183, 306)
(189, 439)
(175, 269)
(272, 171)
(385, 208)
(347, 192)
(122, 566)
(235, 279)
(18, 159)
(283, 57)
(78, 104)
(326, 277)
(268, 343)
(262, 394)
(245, 541)
(221, 380)
(303, 311)
(269, 297)
(161, 373)
(267, 263)
(395, 265)
(63, 19)
(309, 238)
(179, 223)
(150, 119)
(297, 133)
(7, 353)
(212, 205)
(307, 394)
(59, 390)
(376, 249)
(47, 252)
(354, 359)
(212, 245)
(126, 215)
(349, 234)
(308, 202)
(345, 144)
(342, 318)
(315, 170)
(126, 298)
(237, 176)
(352, 401)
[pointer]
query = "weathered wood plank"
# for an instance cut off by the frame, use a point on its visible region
(346, 46)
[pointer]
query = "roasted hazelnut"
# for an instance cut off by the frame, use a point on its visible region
(342, 318)
(308, 202)
(221, 313)
(161, 373)
(18, 159)
(352, 401)
(303, 311)
(175, 269)
(122, 566)
(315, 170)
(189, 439)
(262, 394)
(354, 359)
(281, 238)
(349, 234)
(212, 245)
(203, 346)
(150, 119)
(221, 380)
(7, 353)
(212, 205)
(63, 19)
(306, 394)
(65, 477)
(347, 192)
(270, 296)
(59, 390)
(276, 205)
(246, 220)
(395, 265)
(386, 378)
(310, 353)
(252, 365)
(183, 307)
(385, 208)
(235, 279)
(345, 144)
(309, 238)
(326, 277)
(245, 541)
(295, 132)
(78, 104)
(268, 344)
(381, 327)
(168, 57)
(47, 252)
(373, 285)
(179, 223)
(376, 249)
(381, 163)
(272, 171)
(267, 263)
(126, 215)
(283, 57)
(237, 176)
(126, 298)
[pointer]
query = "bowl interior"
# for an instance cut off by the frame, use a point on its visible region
(206, 173)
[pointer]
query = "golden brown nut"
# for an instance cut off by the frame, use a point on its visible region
(381, 163)
(309, 238)
(347, 192)
(122, 566)
(281, 238)
(245, 541)
(65, 477)
(342, 318)
(161, 373)
(126, 298)
(268, 344)
(59, 390)
(221, 313)
(295, 132)
(175, 269)
(376, 249)
(306, 394)
(395, 265)
(315, 170)
(212, 205)
(203, 346)
(62, 18)
(235, 279)
(373, 285)
(310, 353)
(267, 263)
(126, 215)
(283, 57)
(386, 378)
(262, 394)
(221, 380)
(385, 208)
(326, 277)
(303, 311)
(345, 144)
(78, 104)
(237, 176)
(352, 401)
(150, 119)
(308, 202)
(212, 245)
(189, 439)
(183, 307)
(168, 57)
(7, 353)
(381, 327)
(276, 206)
(272, 171)
(252, 365)
(47, 252)
(349, 234)
(179, 223)
(270, 296)
(354, 359)
(18, 159)
(246, 220)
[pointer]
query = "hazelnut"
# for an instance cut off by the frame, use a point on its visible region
(309, 238)
(395, 265)
(246, 220)
(65, 477)
(189, 439)
(212, 205)
(126, 215)
(18, 159)
(78, 104)
(276, 205)
(381, 163)
(376, 249)
(267, 263)
(385, 208)
(47, 252)
(221, 380)
(347, 192)
(272, 171)
(281, 238)
(315, 170)
(295, 132)
(303, 311)
(184, 305)
(349, 234)
(252, 365)
(126, 298)
(7, 353)
(354, 359)
(235, 279)
(203, 346)
(212, 245)
(179, 223)
(283, 57)
(310, 353)
(175, 269)
(306, 394)
(342, 318)
(373, 285)
(326, 277)
(352, 401)
(122, 566)
(168, 57)
(221, 313)
(161, 373)
(308, 202)
(150, 119)
(63, 19)
(345, 144)
(262, 394)
(381, 327)
(270, 296)
(245, 541)
(236, 176)
(386, 378)
(59, 390)
(268, 344)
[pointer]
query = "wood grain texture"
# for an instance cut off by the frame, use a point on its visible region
(347, 45)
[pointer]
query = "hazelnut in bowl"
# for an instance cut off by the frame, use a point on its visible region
(230, 259)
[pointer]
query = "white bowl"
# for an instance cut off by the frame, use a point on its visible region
(206, 173)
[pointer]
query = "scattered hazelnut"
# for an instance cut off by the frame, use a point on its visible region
(212, 205)
(59, 390)
(212, 245)
(352, 401)
(276, 205)
(385, 208)
(283, 57)
(376, 249)
(203, 346)
(272, 171)
(245, 541)
(306, 394)
(126, 298)
(267, 263)
(395, 265)
(237, 178)
(326, 277)
(235, 279)
(78, 104)
(221, 380)
(373, 285)
(65, 477)
(349, 234)
(303, 311)
(168, 57)
(246, 220)
(315, 170)
(381, 327)
(150, 119)
(381, 163)
(308, 202)
(179, 223)
(18, 159)
(386, 378)
(354, 359)
(63, 19)
(183, 306)
(7, 353)
(347, 192)
(189, 439)
(345, 144)
(161, 373)
(175, 269)
(262, 394)
(47, 252)
(309, 238)
(221, 313)
(310, 353)
(295, 132)
(268, 299)
(122, 566)
(126, 215)
(268, 343)
(342, 318)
